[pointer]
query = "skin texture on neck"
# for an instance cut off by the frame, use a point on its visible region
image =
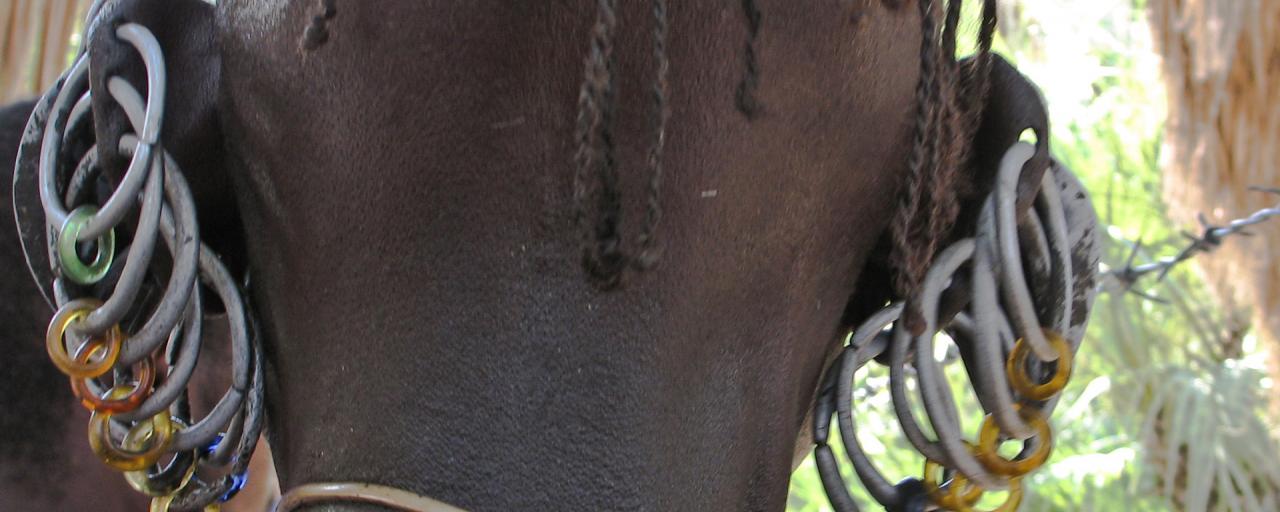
(402, 173)
(394, 181)
(405, 188)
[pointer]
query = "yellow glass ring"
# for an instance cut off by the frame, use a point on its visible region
(143, 482)
(161, 503)
(143, 445)
(1010, 503)
(989, 443)
(972, 493)
(162, 483)
(1016, 367)
(131, 396)
(104, 350)
(949, 498)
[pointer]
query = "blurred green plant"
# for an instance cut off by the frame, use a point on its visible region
(1167, 405)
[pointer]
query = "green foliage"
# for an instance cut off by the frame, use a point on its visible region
(1166, 409)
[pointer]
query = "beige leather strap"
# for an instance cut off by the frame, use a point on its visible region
(312, 494)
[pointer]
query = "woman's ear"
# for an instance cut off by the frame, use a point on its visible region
(186, 36)
(191, 131)
(1013, 110)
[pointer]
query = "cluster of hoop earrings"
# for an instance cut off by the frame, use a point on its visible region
(1017, 348)
(135, 381)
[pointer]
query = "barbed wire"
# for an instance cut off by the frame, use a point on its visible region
(1211, 237)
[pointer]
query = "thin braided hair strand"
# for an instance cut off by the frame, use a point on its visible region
(949, 98)
(603, 256)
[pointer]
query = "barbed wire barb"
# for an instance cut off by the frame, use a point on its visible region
(1211, 237)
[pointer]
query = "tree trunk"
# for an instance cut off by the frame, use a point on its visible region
(1222, 67)
(36, 43)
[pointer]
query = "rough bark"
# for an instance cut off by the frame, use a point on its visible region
(35, 43)
(1221, 62)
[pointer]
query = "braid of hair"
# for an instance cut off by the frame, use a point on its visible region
(649, 252)
(949, 27)
(972, 82)
(950, 98)
(987, 32)
(977, 82)
(746, 100)
(608, 242)
(936, 166)
(585, 157)
(953, 152)
(908, 251)
(601, 251)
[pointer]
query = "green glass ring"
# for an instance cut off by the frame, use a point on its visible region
(69, 261)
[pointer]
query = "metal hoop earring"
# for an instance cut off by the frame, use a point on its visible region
(136, 423)
(1016, 400)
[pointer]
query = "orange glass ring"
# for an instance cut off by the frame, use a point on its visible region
(131, 396)
(989, 443)
(949, 498)
(1016, 367)
(1010, 504)
(143, 445)
(101, 351)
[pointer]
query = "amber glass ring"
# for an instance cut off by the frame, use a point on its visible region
(102, 351)
(1016, 367)
(1010, 504)
(989, 443)
(131, 396)
(949, 497)
(143, 445)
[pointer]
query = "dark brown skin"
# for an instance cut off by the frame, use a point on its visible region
(404, 188)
